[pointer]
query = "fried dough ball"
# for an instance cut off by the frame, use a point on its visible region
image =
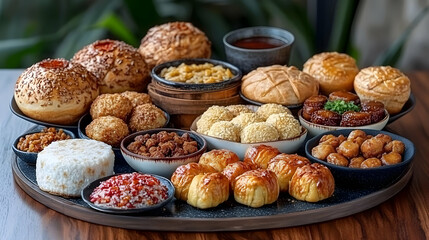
(146, 116)
(271, 108)
(137, 98)
(348, 149)
(211, 115)
(337, 159)
(111, 104)
(371, 163)
(372, 147)
(245, 119)
(391, 158)
(225, 130)
(107, 129)
(356, 162)
(384, 138)
(284, 166)
(259, 132)
(321, 151)
(357, 136)
(395, 146)
(218, 158)
(332, 140)
(286, 125)
(238, 109)
(235, 169)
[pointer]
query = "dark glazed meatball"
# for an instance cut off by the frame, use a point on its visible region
(345, 96)
(376, 109)
(353, 119)
(312, 104)
(326, 117)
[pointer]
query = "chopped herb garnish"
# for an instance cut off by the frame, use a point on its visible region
(341, 106)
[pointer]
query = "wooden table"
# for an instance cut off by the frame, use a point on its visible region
(404, 216)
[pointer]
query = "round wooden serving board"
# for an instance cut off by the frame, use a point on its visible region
(229, 216)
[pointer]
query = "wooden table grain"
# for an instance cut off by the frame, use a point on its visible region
(404, 216)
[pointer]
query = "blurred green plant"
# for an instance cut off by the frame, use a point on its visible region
(35, 30)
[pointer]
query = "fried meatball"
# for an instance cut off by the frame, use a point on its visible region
(337, 159)
(353, 119)
(372, 147)
(348, 149)
(225, 130)
(356, 162)
(245, 119)
(107, 129)
(211, 115)
(259, 132)
(271, 108)
(312, 104)
(383, 138)
(146, 116)
(345, 96)
(332, 140)
(321, 151)
(326, 117)
(375, 108)
(111, 104)
(357, 136)
(286, 125)
(395, 146)
(371, 163)
(238, 109)
(137, 98)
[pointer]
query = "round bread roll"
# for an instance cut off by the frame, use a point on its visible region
(111, 104)
(183, 175)
(312, 183)
(284, 166)
(279, 84)
(256, 188)
(218, 158)
(334, 71)
(64, 167)
(172, 41)
(118, 66)
(383, 84)
(146, 116)
(108, 129)
(55, 91)
(260, 155)
(208, 190)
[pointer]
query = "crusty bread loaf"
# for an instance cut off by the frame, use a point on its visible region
(55, 91)
(118, 66)
(64, 167)
(334, 71)
(384, 84)
(172, 41)
(279, 84)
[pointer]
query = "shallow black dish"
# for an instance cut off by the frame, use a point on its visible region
(369, 177)
(31, 157)
(86, 192)
(15, 110)
(190, 86)
(409, 105)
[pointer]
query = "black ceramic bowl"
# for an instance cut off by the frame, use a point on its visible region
(370, 177)
(86, 192)
(199, 87)
(31, 157)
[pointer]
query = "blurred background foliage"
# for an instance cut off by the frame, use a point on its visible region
(34, 30)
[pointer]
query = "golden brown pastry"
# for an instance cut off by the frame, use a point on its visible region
(256, 188)
(146, 116)
(118, 66)
(259, 132)
(137, 98)
(211, 115)
(322, 151)
(55, 91)
(286, 124)
(348, 149)
(183, 175)
(238, 109)
(337, 159)
(108, 129)
(284, 166)
(225, 130)
(279, 84)
(372, 147)
(312, 183)
(208, 190)
(356, 162)
(218, 158)
(260, 155)
(269, 109)
(384, 84)
(111, 104)
(330, 139)
(172, 41)
(235, 169)
(371, 163)
(395, 146)
(334, 71)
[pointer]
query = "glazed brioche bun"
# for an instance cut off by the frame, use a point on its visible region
(55, 91)
(384, 84)
(334, 71)
(279, 84)
(172, 41)
(118, 66)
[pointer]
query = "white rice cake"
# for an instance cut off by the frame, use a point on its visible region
(65, 167)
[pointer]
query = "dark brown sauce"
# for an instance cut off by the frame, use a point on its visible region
(258, 43)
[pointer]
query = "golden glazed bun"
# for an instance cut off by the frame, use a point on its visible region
(384, 84)
(172, 41)
(284, 166)
(260, 155)
(218, 158)
(334, 71)
(279, 84)
(55, 91)
(118, 66)
(208, 190)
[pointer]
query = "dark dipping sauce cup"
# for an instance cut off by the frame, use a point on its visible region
(253, 47)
